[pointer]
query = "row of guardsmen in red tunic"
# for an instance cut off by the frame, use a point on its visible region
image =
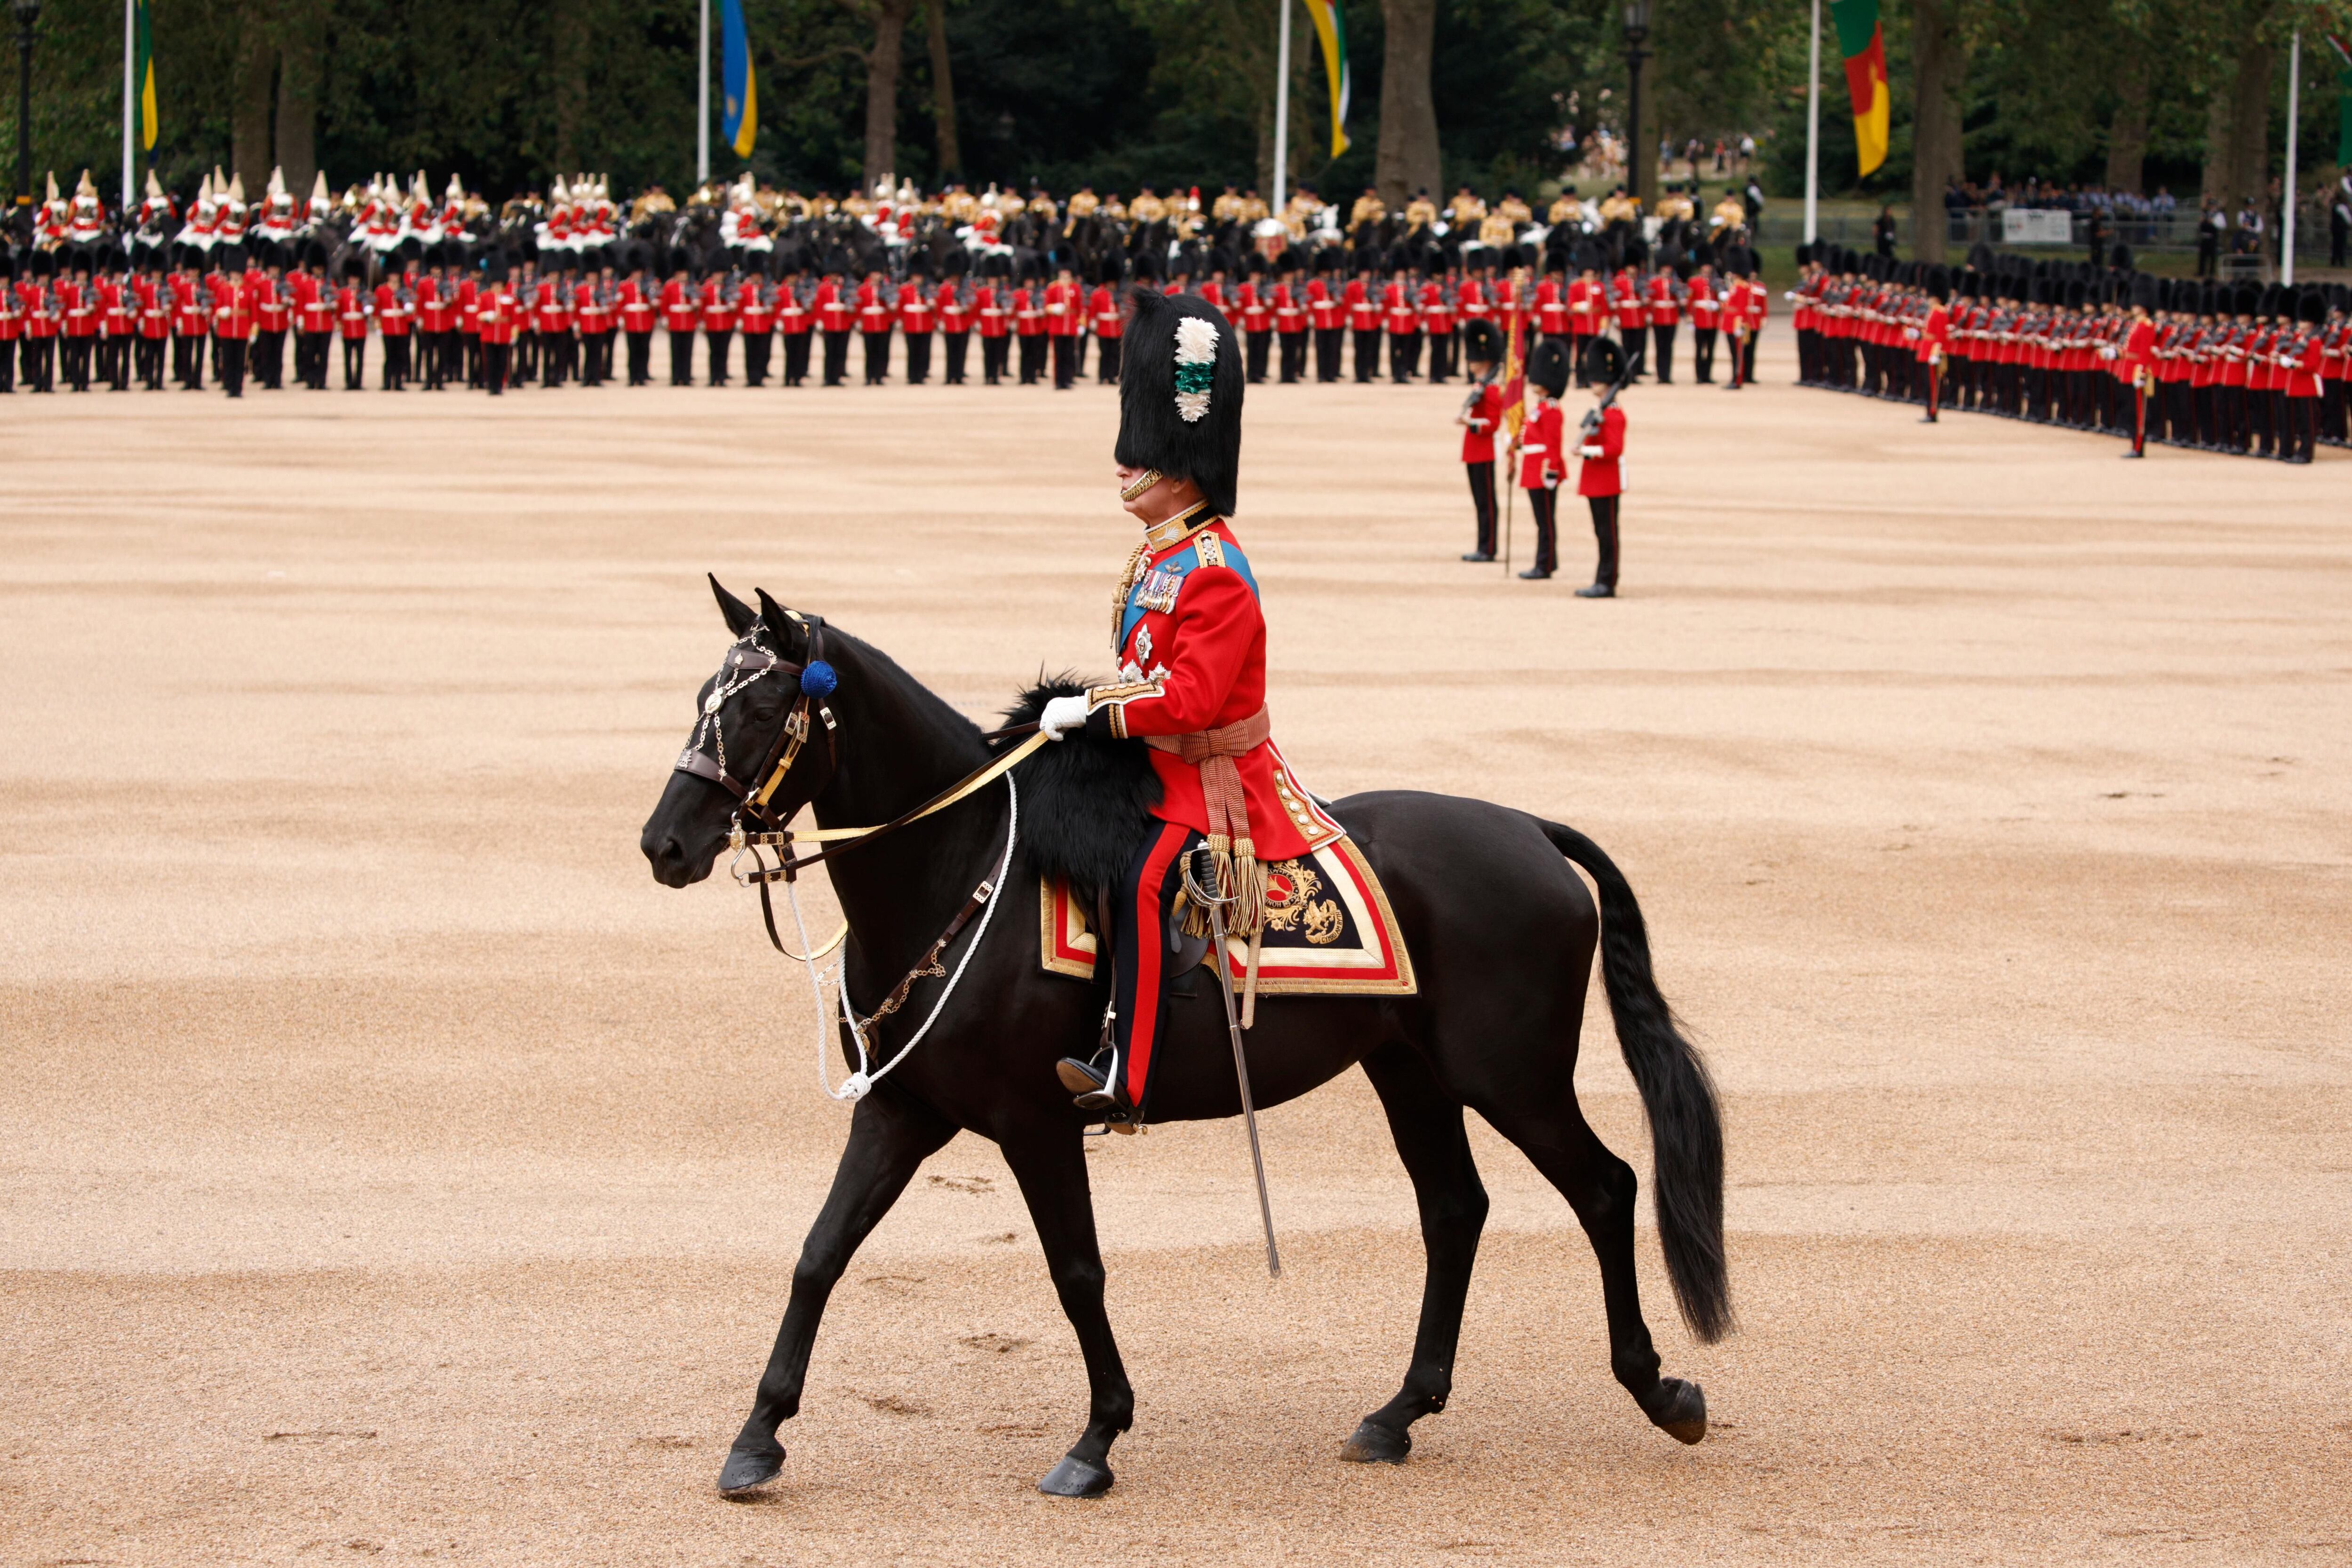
(570, 326)
(2253, 371)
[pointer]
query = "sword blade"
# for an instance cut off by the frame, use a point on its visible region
(1241, 1073)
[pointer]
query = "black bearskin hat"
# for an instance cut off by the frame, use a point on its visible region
(2311, 307)
(1548, 367)
(1482, 339)
(1180, 394)
(955, 263)
(1604, 361)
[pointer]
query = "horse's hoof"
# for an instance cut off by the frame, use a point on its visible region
(1376, 1445)
(747, 1469)
(1075, 1478)
(1679, 1410)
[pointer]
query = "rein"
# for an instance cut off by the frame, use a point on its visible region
(746, 662)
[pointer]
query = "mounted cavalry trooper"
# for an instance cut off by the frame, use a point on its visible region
(1191, 637)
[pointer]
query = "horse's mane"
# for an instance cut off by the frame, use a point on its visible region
(1085, 805)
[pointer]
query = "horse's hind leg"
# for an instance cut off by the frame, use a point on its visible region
(891, 1134)
(1427, 1123)
(1050, 1163)
(1601, 1188)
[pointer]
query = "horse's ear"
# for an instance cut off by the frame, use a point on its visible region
(778, 618)
(740, 616)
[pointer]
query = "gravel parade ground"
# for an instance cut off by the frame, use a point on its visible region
(393, 1170)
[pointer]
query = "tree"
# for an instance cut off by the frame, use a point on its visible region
(1408, 161)
(943, 111)
(1939, 63)
(882, 61)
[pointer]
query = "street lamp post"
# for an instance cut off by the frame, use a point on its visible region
(27, 13)
(1637, 33)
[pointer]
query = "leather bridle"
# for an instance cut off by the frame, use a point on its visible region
(748, 661)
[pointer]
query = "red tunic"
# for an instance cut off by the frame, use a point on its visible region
(1541, 464)
(1066, 309)
(988, 308)
(1322, 309)
(1599, 476)
(1484, 418)
(1192, 641)
(915, 312)
(717, 306)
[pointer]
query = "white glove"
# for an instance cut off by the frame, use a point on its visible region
(1062, 715)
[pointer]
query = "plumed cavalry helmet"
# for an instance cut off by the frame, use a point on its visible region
(1180, 394)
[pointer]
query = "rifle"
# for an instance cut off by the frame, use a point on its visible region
(1592, 416)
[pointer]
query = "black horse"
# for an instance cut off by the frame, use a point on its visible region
(1502, 935)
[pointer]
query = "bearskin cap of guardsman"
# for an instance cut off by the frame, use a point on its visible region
(1548, 367)
(1180, 394)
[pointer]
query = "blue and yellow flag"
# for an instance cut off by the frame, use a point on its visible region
(742, 119)
(143, 78)
(1332, 29)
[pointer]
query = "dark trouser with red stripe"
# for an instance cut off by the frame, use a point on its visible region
(1482, 502)
(1604, 539)
(1143, 951)
(1544, 503)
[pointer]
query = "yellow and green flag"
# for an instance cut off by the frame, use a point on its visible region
(1863, 46)
(740, 120)
(143, 77)
(1331, 28)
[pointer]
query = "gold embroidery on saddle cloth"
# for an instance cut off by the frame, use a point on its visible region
(1290, 890)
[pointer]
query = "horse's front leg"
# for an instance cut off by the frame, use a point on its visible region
(1050, 1163)
(891, 1134)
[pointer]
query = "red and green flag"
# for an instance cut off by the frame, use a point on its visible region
(1863, 46)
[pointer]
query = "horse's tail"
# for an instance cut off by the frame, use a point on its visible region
(1685, 1130)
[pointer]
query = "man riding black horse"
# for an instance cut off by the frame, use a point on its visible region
(1191, 639)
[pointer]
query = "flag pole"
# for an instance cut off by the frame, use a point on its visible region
(130, 49)
(1813, 128)
(2293, 104)
(1281, 106)
(702, 107)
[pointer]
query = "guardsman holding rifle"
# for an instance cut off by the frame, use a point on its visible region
(1537, 451)
(1601, 446)
(1481, 417)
